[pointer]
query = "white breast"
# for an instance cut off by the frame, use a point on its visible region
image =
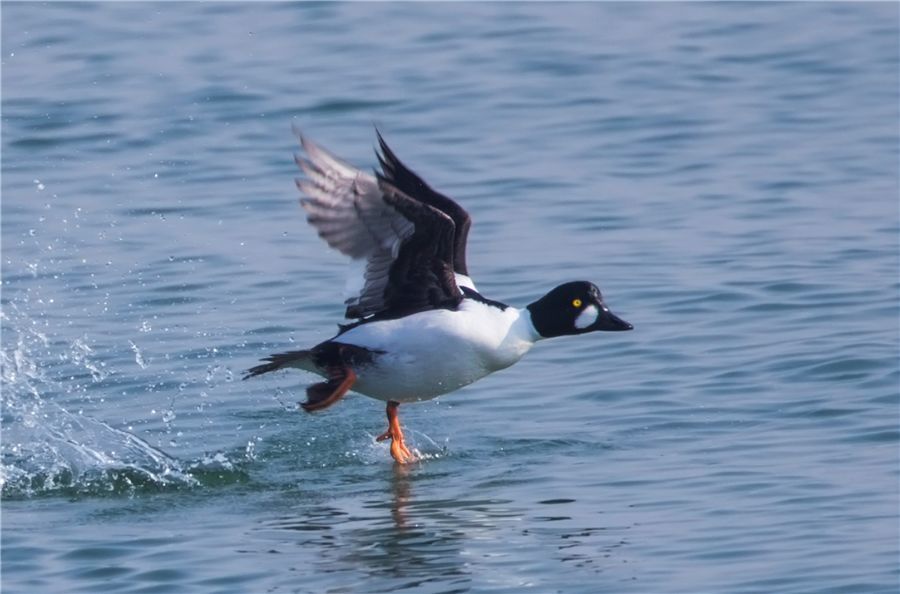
(435, 352)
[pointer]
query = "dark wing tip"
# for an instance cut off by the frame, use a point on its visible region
(408, 182)
(386, 157)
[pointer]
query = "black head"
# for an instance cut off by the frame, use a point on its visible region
(574, 308)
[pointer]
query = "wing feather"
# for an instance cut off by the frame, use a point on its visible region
(407, 245)
(404, 179)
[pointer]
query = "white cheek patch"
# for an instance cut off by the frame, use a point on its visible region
(587, 317)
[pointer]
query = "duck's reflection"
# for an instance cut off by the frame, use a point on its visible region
(387, 531)
(400, 489)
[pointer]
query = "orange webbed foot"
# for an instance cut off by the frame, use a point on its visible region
(399, 452)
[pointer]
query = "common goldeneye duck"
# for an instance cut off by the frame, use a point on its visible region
(418, 326)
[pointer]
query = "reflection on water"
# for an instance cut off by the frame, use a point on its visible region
(391, 532)
(400, 489)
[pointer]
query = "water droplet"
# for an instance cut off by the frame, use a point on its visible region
(138, 356)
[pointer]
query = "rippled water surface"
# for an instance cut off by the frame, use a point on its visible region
(727, 173)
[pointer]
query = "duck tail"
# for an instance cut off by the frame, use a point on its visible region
(299, 359)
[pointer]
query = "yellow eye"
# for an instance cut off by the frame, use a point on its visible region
(576, 302)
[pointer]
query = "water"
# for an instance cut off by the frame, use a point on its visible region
(726, 173)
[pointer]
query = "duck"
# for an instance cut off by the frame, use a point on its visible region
(416, 325)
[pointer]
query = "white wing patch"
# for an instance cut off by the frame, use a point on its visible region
(464, 281)
(587, 317)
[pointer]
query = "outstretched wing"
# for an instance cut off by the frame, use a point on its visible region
(405, 180)
(407, 245)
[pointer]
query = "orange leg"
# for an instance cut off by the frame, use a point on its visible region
(399, 451)
(336, 394)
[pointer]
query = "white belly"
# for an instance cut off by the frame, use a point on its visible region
(435, 352)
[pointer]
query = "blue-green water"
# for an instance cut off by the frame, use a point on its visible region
(727, 173)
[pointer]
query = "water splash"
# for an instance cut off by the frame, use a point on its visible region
(81, 355)
(49, 449)
(138, 355)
